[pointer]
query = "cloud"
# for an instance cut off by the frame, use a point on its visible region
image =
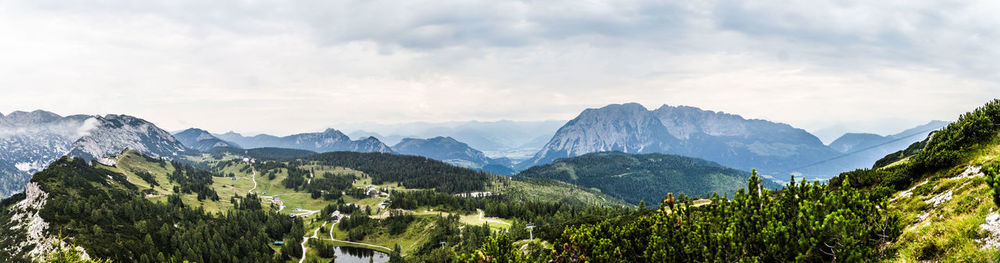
(286, 67)
(88, 125)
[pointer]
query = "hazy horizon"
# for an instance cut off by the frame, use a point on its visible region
(826, 133)
(281, 68)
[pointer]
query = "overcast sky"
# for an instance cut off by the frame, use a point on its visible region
(271, 66)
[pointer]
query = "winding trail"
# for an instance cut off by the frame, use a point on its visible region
(254, 178)
(349, 242)
(306, 239)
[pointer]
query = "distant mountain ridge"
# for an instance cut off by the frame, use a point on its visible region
(454, 152)
(883, 145)
(330, 140)
(32, 140)
(505, 138)
(445, 149)
(731, 140)
(201, 140)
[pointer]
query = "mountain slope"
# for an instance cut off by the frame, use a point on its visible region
(32, 140)
(107, 216)
(773, 149)
(646, 177)
(940, 189)
(445, 149)
(627, 128)
(329, 140)
(116, 133)
(201, 140)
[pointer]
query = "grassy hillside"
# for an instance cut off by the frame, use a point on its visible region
(939, 188)
(649, 177)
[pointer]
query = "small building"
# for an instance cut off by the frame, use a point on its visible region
(279, 243)
(335, 214)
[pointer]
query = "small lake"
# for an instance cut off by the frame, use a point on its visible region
(360, 255)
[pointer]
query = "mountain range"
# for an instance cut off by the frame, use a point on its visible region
(452, 151)
(201, 140)
(330, 140)
(516, 140)
(728, 139)
(869, 146)
(32, 140)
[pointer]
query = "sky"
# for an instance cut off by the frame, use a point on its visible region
(284, 67)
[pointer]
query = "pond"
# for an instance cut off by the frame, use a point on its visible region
(360, 255)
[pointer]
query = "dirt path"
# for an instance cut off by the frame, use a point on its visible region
(349, 242)
(254, 178)
(306, 239)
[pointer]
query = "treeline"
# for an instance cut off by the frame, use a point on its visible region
(550, 218)
(191, 180)
(328, 186)
(110, 219)
(413, 199)
(410, 171)
(261, 154)
(804, 222)
(359, 225)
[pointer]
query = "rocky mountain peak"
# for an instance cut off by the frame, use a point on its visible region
(21, 118)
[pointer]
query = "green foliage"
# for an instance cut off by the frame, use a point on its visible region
(500, 249)
(636, 177)
(993, 179)
(950, 145)
(105, 214)
(263, 154)
(802, 222)
(68, 254)
(191, 180)
(147, 177)
(944, 149)
(409, 171)
(901, 154)
(324, 249)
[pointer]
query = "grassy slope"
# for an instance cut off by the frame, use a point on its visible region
(948, 231)
(551, 190)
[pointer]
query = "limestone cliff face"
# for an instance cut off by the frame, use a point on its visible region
(725, 138)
